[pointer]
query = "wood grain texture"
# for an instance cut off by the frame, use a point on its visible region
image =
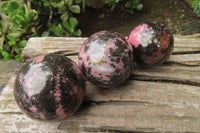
(71, 45)
(133, 106)
(37, 46)
(165, 98)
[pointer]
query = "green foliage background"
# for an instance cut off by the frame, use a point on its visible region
(22, 19)
(196, 6)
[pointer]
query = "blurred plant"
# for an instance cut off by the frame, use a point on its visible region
(24, 19)
(131, 5)
(182, 16)
(196, 6)
(17, 25)
(59, 17)
(112, 3)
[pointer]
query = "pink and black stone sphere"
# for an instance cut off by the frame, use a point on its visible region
(106, 59)
(50, 87)
(152, 43)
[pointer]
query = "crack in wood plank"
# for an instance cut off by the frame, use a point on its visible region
(160, 80)
(110, 129)
(10, 113)
(187, 64)
(186, 52)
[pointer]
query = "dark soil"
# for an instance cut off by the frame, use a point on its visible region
(172, 13)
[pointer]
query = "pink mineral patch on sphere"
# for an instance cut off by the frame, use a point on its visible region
(33, 109)
(61, 112)
(40, 59)
(134, 37)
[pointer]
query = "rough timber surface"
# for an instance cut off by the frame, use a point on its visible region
(165, 98)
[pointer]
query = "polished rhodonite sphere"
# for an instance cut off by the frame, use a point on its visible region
(152, 43)
(106, 59)
(50, 87)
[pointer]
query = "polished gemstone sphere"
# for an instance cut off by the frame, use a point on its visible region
(106, 59)
(152, 43)
(50, 87)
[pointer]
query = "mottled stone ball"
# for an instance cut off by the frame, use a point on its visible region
(50, 87)
(152, 43)
(106, 59)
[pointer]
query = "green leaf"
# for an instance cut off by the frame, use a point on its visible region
(25, 9)
(57, 30)
(73, 22)
(77, 33)
(60, 28)
(69, 2)
(62, 9)
(20, 12)
(12, 6)
(3, 26)
(4, 9)
(4, 5)
(17, 19)
(13, 36)
(46, 3)
(75, 9)
(5, 55)
(31, 16)
(12, 43)
(139, 7)
(64, 16)
(58, 5)
(22, 43)
(68, 26)
(18, 57)
(182, 16)
(18, 50)
(45, 34)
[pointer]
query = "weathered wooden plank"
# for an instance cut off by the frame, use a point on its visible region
(185, 59)
(182, 59)
(18, 123)
(70, 45)
(133, 106)
(132, 90)
(186, 45)
(122, 117)
(185, 70)
(197, 35)
(66, 45)
(7, 68)
(174, 73)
